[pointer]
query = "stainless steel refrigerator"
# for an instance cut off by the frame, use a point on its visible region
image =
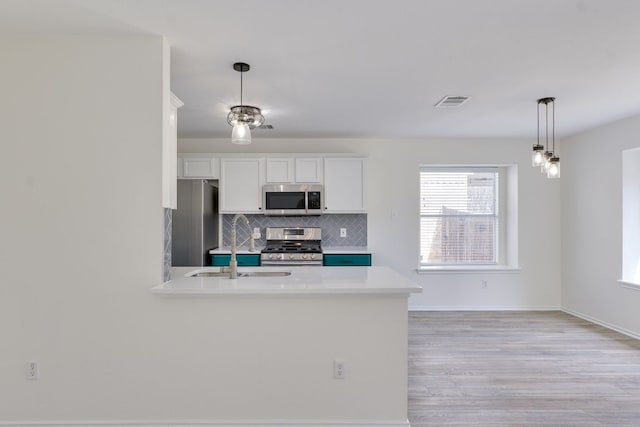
(195, 224)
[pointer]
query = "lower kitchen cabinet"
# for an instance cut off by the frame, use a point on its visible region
(344, 260)
(244, 260)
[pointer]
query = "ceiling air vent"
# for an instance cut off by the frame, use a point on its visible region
(452, 101)
(265, 127)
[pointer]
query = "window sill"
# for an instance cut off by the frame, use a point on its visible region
(629, 285)
(468, 269)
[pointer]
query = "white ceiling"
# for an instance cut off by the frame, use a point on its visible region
(375, 68)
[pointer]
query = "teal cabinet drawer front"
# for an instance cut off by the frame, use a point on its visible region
(344, 260)
(244, 260)
(220, 260)
(248, 260)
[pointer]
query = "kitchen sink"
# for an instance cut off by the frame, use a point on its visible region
(264, 274)
(242, 274)
(210, 274)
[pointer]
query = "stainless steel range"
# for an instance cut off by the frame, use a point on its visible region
(292, 246)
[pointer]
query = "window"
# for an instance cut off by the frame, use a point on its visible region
(630, 217)
(460, 216)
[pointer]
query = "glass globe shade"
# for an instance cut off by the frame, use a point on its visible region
(241, 134)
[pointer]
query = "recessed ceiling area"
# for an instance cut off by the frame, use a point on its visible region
(376, 69)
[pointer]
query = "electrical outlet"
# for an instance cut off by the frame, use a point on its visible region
(343, 232)
(33, 372)
(484, 284)
(338, 369)
(256, 233)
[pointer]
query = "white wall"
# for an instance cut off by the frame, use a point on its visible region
(393, 184)
(81, 223)
(592, 225)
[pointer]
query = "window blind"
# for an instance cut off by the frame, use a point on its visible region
(458, 216)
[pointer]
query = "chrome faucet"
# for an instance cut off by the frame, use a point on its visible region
(233, 263)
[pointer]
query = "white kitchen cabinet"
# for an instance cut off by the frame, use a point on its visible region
(170, 154)
(344, 185)
(279, 170)
(241, 182)
(308, 170)
(291, 170)
(199, 167)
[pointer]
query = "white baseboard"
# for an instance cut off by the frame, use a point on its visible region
(210, 423)
(603, 323)
(489, 308)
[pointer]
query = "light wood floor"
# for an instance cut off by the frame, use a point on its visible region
(520, 369)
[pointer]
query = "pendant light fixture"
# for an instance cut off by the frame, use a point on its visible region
(537, 156)
(544, 156)
(243, 118)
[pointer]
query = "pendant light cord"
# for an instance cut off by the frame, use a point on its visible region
(546, 124)
(553, 128)
(241, 73)
(538, 123)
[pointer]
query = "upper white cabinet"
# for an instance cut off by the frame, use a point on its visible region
(344, 185)
(290, 170)
(242, 177)
(199, 167)
(279, 170)
(170, 154)
(308, 170)
(241, 182)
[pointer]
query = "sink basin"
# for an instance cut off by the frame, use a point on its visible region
(210, 274)
(265, 274)
(242, 274)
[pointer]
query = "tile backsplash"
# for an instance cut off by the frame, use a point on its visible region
(166, 262)
(356, 225)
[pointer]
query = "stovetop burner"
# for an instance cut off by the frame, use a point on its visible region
(310, 246)
(293, 246)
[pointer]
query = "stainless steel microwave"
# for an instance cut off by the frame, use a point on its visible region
(292, 199)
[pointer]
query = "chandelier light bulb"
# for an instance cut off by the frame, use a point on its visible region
(554, 168)
(546, 157)
(537, 156)
(241, 134)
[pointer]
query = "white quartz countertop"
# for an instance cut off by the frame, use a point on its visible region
(345, 250)
(225, 250)
(302, 281)
(325, 249)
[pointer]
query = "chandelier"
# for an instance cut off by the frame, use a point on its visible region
(243, 117)
(544, 156)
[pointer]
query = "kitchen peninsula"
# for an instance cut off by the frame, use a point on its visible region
(321, 346)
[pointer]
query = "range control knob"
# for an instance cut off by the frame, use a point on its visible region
(292, 256)
(305, 256)
(273, 256)
(313, 256)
